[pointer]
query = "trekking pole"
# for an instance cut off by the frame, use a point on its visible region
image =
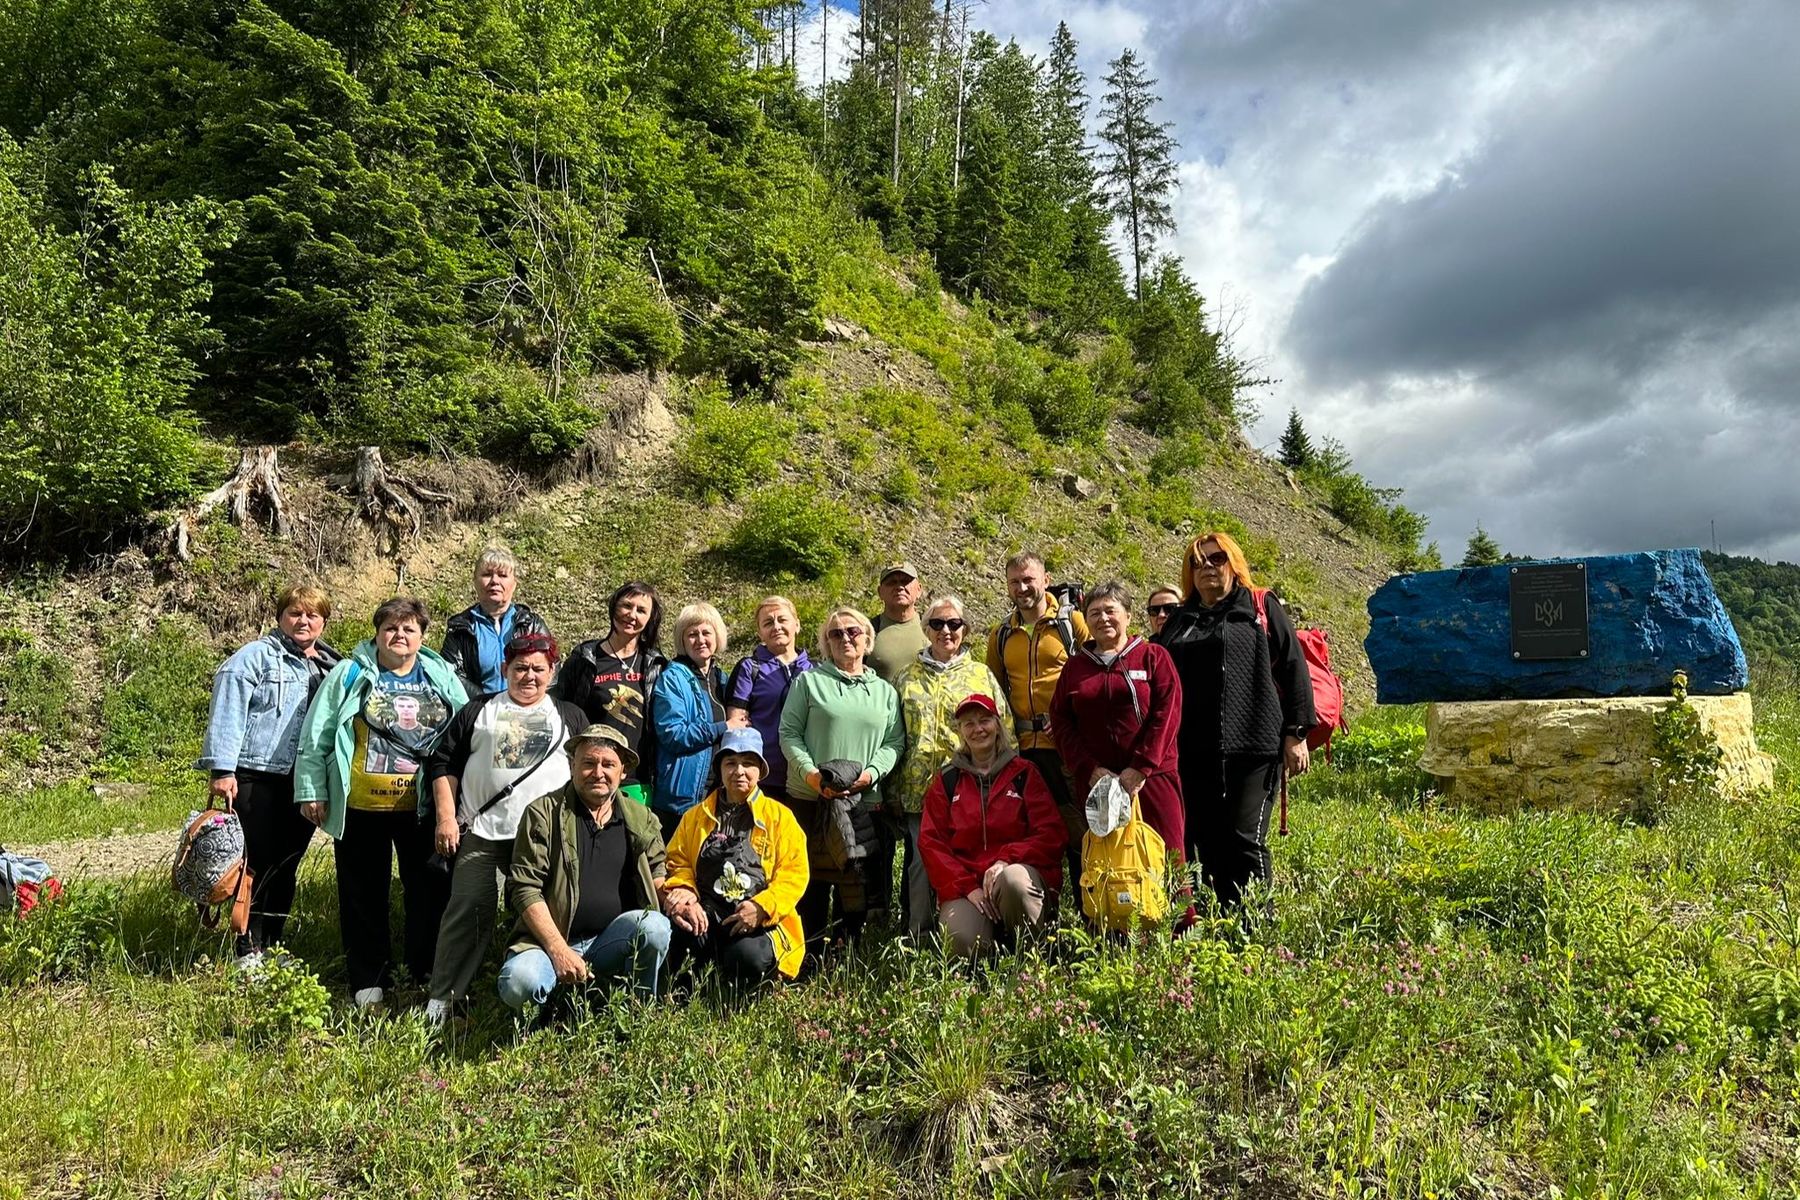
(1284, 828)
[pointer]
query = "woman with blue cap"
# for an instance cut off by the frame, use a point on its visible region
(736, 872)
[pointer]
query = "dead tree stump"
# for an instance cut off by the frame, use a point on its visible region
(255, 483)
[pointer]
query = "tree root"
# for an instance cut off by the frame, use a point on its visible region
(257, 481)
(390, 503)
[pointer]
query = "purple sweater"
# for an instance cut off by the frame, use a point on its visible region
(759, 684)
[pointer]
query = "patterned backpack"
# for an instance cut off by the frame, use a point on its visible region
(210, 868)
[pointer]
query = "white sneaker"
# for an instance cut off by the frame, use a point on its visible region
(436, 1013)
(249, 964)
(367, 998)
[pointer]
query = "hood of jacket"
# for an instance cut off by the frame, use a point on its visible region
(932, 664)
(962, 762)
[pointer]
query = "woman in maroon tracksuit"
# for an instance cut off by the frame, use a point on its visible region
(1117, 711)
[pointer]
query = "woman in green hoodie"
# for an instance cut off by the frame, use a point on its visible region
(839, 717)
(376, 717)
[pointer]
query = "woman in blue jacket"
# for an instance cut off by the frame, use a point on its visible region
(688, 714)
(259, 702)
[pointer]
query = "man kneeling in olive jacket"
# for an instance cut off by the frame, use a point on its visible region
(585, 870)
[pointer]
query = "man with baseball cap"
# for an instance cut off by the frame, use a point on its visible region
(899, 639)
(586, 867)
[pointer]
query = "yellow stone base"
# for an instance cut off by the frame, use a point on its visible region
(1583, 754)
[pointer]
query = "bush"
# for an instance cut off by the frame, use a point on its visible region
(98, 331)
(36, 687)
(730, 448)
(788, 530)
(1062, 402)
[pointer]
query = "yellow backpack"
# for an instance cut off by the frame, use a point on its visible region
(1122, 875)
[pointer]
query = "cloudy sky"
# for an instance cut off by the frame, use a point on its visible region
(1535, 261)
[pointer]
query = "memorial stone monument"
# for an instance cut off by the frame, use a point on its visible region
(1545, 679)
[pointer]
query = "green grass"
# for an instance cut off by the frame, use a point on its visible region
(1431, 1003)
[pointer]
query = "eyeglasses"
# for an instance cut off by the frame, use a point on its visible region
(1217, 558)
(1163, 610)
(849, 634)
(950, 623)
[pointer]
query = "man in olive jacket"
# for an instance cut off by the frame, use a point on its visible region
(585, 868)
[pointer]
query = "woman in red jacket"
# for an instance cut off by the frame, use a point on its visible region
(991, 837)
(1117, 711)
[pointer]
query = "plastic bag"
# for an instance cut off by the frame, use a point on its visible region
(1108, 806)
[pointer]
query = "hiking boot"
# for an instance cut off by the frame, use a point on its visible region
(367, 998)
(437, 1013)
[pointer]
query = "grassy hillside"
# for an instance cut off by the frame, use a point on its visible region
(902, 438)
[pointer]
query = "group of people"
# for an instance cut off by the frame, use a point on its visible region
(645, 816)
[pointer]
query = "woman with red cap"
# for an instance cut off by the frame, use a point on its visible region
(991, 837)
(502, 751)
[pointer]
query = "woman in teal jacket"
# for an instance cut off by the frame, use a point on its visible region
(687, 712)
(376, 717)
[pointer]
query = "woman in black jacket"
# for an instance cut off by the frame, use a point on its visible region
(613, 679)
(1246, 706)
(476, 638)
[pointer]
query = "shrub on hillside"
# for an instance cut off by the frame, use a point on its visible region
(1062, 400)
(788, 530)
(98, 329)
(729, 448)
(500, 410)
(157, 692)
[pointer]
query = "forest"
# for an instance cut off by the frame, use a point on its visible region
(434, 226)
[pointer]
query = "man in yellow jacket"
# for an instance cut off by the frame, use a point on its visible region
(1026, 653)
(736, 869)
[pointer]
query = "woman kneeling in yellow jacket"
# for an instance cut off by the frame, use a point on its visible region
(736, 869)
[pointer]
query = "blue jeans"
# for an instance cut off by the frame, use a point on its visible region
(634, 945)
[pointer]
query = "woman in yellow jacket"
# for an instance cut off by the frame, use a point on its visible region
(736, 870)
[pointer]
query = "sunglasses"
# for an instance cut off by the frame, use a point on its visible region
(1163, 610)
(844, 635)
(950, 623)
(1218, 558)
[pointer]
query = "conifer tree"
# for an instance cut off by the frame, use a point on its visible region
(1482, 550)
(1139, 166)
(1296, 447)
(1065, 99)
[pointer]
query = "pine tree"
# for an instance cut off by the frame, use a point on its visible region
(1482, 551)
(1296, 447)
(1064, 121)
(1139, 167)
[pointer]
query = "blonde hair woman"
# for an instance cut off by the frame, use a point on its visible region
(688, 714)
(759, 684)
(475, 639)
(842, 734)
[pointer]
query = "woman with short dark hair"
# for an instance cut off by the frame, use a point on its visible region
(613, 679)
(377, 718)
(259, 702)
(1117, 711)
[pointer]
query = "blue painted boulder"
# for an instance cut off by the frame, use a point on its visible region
(1447, 635)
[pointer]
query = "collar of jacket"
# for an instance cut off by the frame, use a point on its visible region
(963, 762)
(465, 620)
(762, 654)
(759, 803)
(640, 822)
(324, 655)
(440, 673)
(932, 663)
(1092, 651)
(831, 670)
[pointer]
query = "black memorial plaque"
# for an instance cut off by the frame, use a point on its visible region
(1549, 611)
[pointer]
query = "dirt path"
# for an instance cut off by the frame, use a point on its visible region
(112, 857)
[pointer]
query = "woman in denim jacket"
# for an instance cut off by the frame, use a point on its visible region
(259, 702)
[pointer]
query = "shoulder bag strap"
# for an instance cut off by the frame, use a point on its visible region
(508, 790)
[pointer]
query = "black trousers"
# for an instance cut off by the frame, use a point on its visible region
(1228, 800)
(372, 843)
(275, 840)
(1072, 807)
(836, 901)
(741, 961)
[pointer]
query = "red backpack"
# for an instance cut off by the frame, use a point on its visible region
(1327, 688)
